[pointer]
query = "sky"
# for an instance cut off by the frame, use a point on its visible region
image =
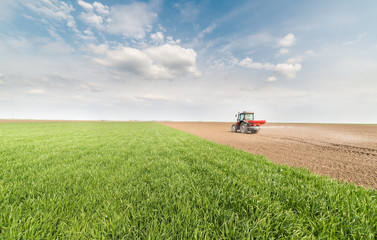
(285, 60)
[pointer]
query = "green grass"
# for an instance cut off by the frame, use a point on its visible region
(147, 181)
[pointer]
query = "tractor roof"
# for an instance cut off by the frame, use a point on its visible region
(245, 112)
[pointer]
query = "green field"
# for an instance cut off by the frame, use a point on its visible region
(147, 181)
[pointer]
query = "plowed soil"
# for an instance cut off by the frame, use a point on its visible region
(342, 151)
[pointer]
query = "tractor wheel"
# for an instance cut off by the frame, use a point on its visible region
(243, 128)
(234, 128)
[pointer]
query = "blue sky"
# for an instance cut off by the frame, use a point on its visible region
(288, 61)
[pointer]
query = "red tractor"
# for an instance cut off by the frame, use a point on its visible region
(246, 123)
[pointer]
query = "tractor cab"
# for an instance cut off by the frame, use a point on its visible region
(245, 116)
(245, 123)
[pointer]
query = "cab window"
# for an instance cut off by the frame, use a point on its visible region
(249, 117)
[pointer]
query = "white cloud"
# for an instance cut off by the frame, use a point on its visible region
(288, 70)
(132, 60)
(100, 8)
(158, 37)
(294, 60)
(132, 20)
(88, 35)
(282, 51)
(207, 30)
(36, 91)
(249, 63)
(287, 41)
(176, 58)
(92, 19)
(54, 9)
(85, 5)
(163, 62)
(1, 75)
(300, 58)
(170, 40)
(271, 79)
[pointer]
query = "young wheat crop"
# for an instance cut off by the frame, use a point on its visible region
(144, 180)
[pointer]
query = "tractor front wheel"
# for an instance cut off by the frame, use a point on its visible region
(234, 128)
(244, 128)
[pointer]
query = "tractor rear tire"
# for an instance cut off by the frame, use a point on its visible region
(234, 128)
(244, 128)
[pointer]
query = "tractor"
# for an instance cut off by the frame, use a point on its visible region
(245, 123)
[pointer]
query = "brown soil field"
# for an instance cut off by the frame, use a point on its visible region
(347, 152)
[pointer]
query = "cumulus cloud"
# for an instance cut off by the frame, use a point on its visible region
(176, 58)
(296, 59)
(288, 69)
(170, 40)
(292, 65)
(158, 37)
(287, 40)
(135, 61)
(162, 62)
(282, 51)
(271, 79)
(249, 63)
(132, 20)
(36, 91)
